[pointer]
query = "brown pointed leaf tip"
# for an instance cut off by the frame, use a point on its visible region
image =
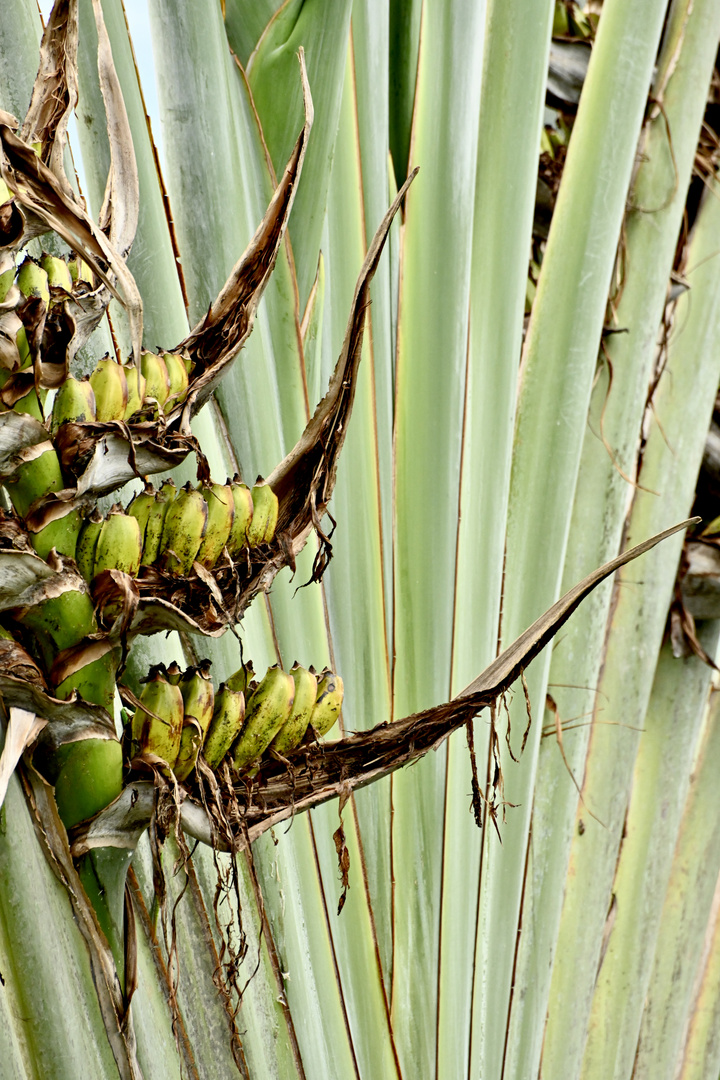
(318, 773)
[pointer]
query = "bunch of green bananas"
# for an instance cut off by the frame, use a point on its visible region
(181, 714)
(174, 529)
(119, 391)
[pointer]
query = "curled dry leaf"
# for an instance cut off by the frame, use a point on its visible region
(22, 730)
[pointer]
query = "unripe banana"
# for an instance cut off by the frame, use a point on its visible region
(179, 379)
(60, 531)
(139, 508)
(183, 531)
(38, 475)
(91, 670)
(174, 673)
(184, 358)
(291, 733)
(33, 280)
(243, 503)
(157, 380)
(261, 529)
(241, 679)
(199, 699)
(30, 404)
(87, 543)
(61, 620)
(136, 390)
(266, 712)
(79, 270)
(7, 275)
(90, 778)
(329, 702)
(111, 390)
(225, 726)
(158, 736)
(58, 272)
(156, 523)
(221, 509)
(119, 545)
(74, 401)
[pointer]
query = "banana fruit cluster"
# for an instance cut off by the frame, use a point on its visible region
(119, 391)
(173, 529)
(181, 715)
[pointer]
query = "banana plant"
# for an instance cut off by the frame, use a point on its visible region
(446, 437)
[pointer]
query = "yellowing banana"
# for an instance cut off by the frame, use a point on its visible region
(329, 702)
(111, 390)
(157, 380)
(58, 272)
(74, 401)
(136, 390)
(261, 529)
(291, 733)
(179, 379)
(266, 712)
(243, 512)
(33, 280)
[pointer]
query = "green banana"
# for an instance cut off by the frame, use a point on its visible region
(61, 532)
(79, 270)
(199, 698)
(111, 390)
(179, 379)
(241, 679)
(7, 275)
(74, 401)
(185, 360)
(119, 545)
(33, 280)
(174, 673)
(91, 670)
(150, 734)
(329, 702)
(221, 509)
(38, 475)
(225, 726)
(157, 380)
(136, 390)
(243, 503)
(183, 531)
(89, 779)
(266, 712)
(140, 507)
(291, 733)
(87, 542)
(58, 272)
(31, 404)
(62, 619)
(261, 529)
(156, 522)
